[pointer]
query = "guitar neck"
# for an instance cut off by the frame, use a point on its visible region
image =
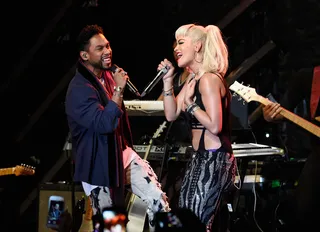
(148, 149)
(295, 118)
(6, 171)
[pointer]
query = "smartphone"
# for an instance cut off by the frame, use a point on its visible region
(56, 206)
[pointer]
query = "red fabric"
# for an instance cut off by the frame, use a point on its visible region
(315, 91)
(109, 83)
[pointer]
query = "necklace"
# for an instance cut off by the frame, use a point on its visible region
(182, 78)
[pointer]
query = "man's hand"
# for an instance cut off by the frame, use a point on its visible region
(271, 112)
(120, 77)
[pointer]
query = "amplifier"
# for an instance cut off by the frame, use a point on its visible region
(46, 190)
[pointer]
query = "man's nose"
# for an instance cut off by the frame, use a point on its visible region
(106, 51)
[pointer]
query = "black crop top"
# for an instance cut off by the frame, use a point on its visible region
(225, 134)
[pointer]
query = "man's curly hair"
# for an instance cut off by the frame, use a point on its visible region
(86, 34)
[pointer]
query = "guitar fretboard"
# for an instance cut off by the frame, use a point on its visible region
(296, 119)
(6, 171)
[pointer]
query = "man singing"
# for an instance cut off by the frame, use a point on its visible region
(101, 138)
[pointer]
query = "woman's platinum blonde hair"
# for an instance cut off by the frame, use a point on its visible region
(214, 50)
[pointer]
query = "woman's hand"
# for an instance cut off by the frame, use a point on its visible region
(170, 70)
(189, 91)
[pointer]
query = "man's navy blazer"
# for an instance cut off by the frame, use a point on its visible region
(93, 119)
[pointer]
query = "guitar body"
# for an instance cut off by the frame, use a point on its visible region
(86, 226)
(136, 214)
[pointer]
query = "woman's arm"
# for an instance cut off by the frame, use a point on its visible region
(210, 88)
(171, 103)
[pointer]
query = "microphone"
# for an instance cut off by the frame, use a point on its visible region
(150, 86)
(130, 86)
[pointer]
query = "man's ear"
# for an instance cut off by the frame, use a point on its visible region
(84, 55)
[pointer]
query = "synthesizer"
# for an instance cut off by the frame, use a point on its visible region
(144, 107)
(184, 153)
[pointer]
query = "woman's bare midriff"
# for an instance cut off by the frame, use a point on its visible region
(211, 141)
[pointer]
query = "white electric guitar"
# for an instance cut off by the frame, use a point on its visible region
(249, 94)
(136, 208)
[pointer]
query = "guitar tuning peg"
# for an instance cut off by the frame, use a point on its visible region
(243, 102)
(240, 98)
(248, 85)
(234, 94)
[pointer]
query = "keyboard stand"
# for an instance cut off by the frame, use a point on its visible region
(242, 173)
(235, 215)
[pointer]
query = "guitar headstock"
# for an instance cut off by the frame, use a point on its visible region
(247, 93)
(159, 130)
(24, 170)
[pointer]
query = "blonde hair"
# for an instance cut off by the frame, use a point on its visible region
(214, 50)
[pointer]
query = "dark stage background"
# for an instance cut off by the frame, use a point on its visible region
(39, 53)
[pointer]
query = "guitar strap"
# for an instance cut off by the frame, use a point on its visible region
(315, 91)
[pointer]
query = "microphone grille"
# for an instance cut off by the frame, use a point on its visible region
(113, 68)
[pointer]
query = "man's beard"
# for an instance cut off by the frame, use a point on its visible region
(99, 65)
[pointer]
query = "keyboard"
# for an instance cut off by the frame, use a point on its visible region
(254, 149)
(184, 153)
(144, 107)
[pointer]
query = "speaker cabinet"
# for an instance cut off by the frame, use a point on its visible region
(63, 190)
